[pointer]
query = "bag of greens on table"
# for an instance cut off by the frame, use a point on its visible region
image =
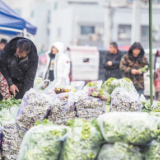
(134, 128)
(63, 108)
(119, 151)
(84, 141)
(152, 152)
(34, 107)
(125, 101)
(43, 142)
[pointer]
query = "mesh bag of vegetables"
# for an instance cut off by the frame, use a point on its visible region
(92, 85)
(113, 83)
(89, 107)
(152, 151)
(125, 101)
(130, 127)
(110, 85)
(119, 151)
(34, 107)
(84, 141)
(127, 84)
(43, 142)
(63, 108)
(10, 141)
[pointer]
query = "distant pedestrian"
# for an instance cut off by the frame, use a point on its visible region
(111, 62)
(132, 63)
(49, 71)
(18, 64)
(62, 62)
(3, 42)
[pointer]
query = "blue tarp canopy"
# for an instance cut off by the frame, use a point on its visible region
(11, 23)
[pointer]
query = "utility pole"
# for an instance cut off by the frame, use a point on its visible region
(136, 24)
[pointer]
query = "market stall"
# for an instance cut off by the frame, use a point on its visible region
(77, 124)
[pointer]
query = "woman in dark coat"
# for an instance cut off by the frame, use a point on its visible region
(18, 64)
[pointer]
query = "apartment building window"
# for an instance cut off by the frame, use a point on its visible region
(124, 32)
(144, 32)
(85, 30)
(55, 5)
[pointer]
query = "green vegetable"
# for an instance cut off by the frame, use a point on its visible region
(110, 85)
(133, 128)
(146, 106)
(91, 84)
(119, 151)
(144, 69)
(8, 103)
(152, 152)
(84, 141)
(43, 142)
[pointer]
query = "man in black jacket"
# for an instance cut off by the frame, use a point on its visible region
(111, 62)
(18, 64)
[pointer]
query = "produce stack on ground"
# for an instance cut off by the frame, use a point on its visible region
(124, 97)
(119, 151)
(131, 128)
(43, 142)
(124, 101)
(34, 107)
(10, 145)
(152, 151)
(84, 141)
(8, 109)
(89, 107)
(63, 108)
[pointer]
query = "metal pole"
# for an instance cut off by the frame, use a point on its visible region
(150, 52)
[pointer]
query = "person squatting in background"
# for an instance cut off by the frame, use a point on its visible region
(131, 65)
(3, 42)
(61, 62)
(111, 62)
(18, 64)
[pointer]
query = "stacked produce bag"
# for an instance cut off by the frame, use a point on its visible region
(10, 144)
(9, 109)
(132, 128)
(34, 107)
(43, 142)
(84, 142)
(63, 108)
(124, 97)
(119, 151)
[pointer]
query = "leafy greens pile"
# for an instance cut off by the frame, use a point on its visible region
(153, 151)
(43, 142)
(133, 128)
(119, 151)
(84, 141)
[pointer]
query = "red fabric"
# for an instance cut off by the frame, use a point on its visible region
(4, 88)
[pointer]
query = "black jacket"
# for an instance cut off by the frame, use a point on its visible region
(113, 71)
(21, 73)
